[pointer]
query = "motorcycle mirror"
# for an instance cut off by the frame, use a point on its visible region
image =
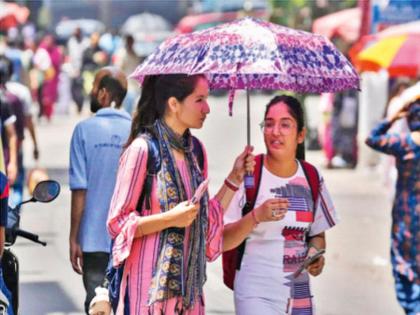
(46, 191)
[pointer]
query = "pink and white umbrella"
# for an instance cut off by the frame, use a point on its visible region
(253, 54)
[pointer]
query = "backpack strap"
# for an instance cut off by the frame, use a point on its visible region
(312, 176)
(251, 196)
(153, 164)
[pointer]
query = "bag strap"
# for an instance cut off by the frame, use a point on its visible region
(251, 196)
(312, 176)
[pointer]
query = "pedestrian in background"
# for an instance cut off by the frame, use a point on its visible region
(394, 104)
(285, 226)
(19, 98)
(127, 60)
(48, 59)
(95, 148)
(76, 47)
(405, 231)
(344, 128)
(164, 246)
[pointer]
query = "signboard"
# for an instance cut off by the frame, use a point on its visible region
(391, 12)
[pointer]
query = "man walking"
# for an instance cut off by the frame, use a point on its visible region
(94, 153)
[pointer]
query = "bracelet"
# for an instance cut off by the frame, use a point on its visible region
(254, 217)
(312, 245)
(230, 185)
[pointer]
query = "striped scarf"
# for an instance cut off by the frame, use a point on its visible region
(170, 277)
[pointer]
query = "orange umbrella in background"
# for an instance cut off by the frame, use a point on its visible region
(344, 24)
(398, 54)
(12, 14)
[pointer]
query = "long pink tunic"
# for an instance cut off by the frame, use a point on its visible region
(140, 254)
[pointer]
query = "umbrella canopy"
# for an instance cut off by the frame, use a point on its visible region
(399, 55)
(254, 54)
(345, 24)
(12, 14)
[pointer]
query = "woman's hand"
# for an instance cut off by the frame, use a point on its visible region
(244, 163)
(182, 215)
(316, 267)
(272, 210)
(400, 114)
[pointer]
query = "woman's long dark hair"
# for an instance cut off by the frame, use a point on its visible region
(296, 110)
(156, 91)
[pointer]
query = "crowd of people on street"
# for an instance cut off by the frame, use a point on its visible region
(143, 225)
(59, 72)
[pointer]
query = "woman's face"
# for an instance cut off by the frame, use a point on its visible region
(193, 110)
(281, 135)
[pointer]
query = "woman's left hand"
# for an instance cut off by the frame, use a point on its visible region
(316, 267)
(244, 163)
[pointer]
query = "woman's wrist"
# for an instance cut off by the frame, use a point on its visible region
(254, 217)
(235, 178)
(231, 185)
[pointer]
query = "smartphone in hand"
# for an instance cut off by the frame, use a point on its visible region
(199, 192)
(307, 262)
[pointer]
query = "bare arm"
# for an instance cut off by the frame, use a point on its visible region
(12, 140)
(236, 232)
(31, 129)
(77, 207)
(244, 162)
(316, 243)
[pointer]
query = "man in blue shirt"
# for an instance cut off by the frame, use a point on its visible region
(96, 146)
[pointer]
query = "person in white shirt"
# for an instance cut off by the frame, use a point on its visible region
(284, 227)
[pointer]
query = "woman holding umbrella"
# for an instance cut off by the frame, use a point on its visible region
(164, 247)
(285, 227)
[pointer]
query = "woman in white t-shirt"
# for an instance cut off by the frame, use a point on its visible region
(284, 227)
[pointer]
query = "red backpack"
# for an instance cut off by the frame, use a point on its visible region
(232, 258)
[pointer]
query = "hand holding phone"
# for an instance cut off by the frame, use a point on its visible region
(308, 260)
(199, 192)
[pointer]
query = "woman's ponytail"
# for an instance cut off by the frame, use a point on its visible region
(147, 110)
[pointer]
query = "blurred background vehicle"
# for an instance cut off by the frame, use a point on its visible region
(148, 31)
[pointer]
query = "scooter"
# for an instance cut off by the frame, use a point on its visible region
(44, 191)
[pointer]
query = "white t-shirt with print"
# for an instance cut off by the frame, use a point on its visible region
(274, 250)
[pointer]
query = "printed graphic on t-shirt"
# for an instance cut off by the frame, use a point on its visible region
(299, 203)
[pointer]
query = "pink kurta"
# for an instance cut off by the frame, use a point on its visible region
(140, 254)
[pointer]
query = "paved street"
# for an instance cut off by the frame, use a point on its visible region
(357, 278)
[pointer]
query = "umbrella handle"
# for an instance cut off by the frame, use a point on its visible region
(249, 177)
(249, 180)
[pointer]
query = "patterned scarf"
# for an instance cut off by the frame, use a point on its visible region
(170, 276)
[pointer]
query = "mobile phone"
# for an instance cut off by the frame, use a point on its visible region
(308, 261)
(199, 192)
